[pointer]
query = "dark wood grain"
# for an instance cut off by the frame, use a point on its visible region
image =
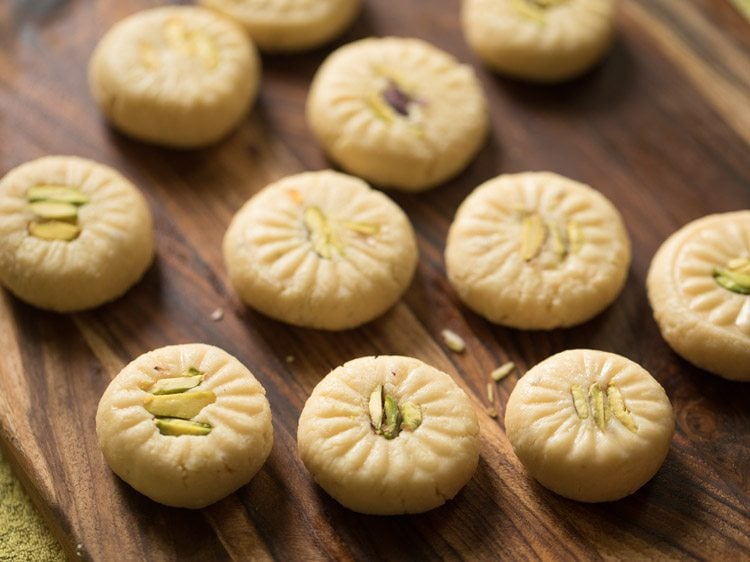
(661, 128)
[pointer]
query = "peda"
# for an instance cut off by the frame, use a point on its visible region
(289, 25)
(537, 251)
(321, 250)
(539, 40)
(178, 76)
(397, 112)
(74, 233)
(589, 425)
(699, 288)
(185, 425)
(387, 435)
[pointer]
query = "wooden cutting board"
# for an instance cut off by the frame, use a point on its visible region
(662, 128)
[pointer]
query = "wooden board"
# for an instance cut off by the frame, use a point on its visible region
(661, 128)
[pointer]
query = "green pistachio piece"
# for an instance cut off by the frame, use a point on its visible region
(174, 426)
(412, 415)
(185, 405)
(175, 385)
(733, 281)
(53, 210)
(54, 230)
(57, 193)
(392, 418)
(376, 407)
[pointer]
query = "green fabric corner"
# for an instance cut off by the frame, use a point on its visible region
(23, 534)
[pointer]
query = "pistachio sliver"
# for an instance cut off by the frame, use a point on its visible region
(375, 407)
(579, 401)
(57, 193)
(558, 242)
(618, 408)
(533, 233)
(733, 280)
(365, 228)
(575, 236)
(175, 385)
(502, 371)
(599, 405)
(175, 426)
(392, 418)
(185, 405)
(380, 108)
(412, 416)
(322, 236)
(53, 210)
(54, 230)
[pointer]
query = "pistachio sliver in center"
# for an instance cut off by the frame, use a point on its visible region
(533, 234)
(53, 210)
(185, 405)
(735, 280)
(375, 407)
(322, 236)
(392, 422)
(599, 406)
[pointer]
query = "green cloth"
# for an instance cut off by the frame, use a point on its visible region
(23, 534)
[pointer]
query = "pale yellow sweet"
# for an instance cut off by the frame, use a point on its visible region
(418, 469)
(537, 251)
(186, 470)
(581, 446)
(397, 112)
(322, 250)
(289, 25)
(704, 322)
(114, 248)
(180, 76)
(539, 40)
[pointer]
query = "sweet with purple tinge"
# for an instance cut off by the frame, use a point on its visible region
(398, 112)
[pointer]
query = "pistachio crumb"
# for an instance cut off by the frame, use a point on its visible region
(490, 393)
(503, 371)
(217, 315)
(491, 412)
(453, 341)
(289, 359)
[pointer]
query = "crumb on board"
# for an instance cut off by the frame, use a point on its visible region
(217, 314)
(289, 358)
(491, 412)
(490, 393)
(503, 371)
(453, 341)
